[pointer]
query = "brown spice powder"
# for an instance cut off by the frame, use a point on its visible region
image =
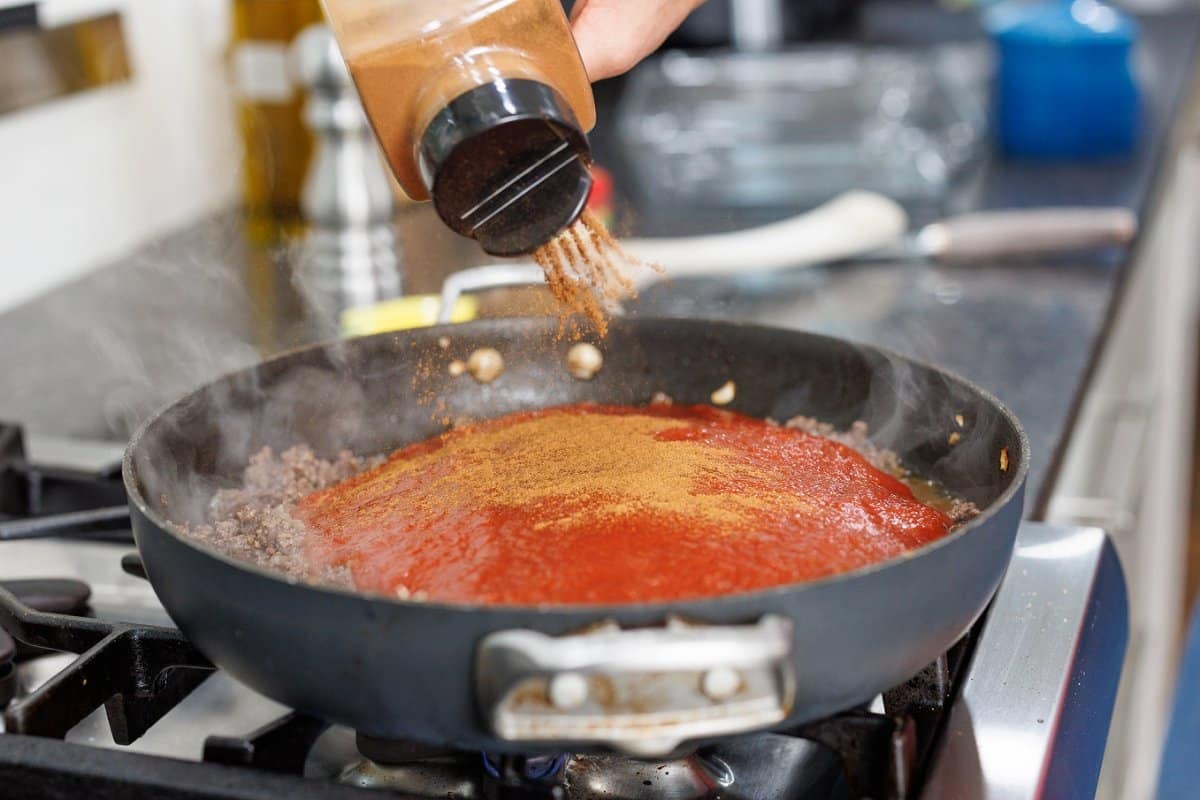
(588, 271)
(614, 462)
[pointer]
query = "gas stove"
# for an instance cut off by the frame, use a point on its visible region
(104, 698)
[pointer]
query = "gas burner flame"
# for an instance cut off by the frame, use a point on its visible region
(534, 768)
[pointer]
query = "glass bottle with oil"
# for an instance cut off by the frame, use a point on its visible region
(277, 143)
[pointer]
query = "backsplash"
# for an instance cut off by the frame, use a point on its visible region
(87, 178)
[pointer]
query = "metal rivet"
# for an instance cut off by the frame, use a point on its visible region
(720, 683)
(568, 690)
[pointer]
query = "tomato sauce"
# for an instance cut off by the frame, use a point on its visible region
(613, 504)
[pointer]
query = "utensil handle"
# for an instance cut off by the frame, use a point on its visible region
(850, 224)
(488, 276)
(997, 234)
(643, 691)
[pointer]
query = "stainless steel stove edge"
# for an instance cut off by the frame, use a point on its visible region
(1033, 714)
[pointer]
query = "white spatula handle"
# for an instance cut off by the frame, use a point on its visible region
(852, 223)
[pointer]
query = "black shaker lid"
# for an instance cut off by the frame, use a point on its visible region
(507, 164)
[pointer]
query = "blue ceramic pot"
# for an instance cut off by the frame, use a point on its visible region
(1064, 86)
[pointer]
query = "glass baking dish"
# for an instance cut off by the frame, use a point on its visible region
(795, 128)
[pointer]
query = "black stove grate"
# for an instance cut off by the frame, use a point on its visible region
(33, 768)
(279, 746)
(40, 501)
(58, 596)
(137, 672)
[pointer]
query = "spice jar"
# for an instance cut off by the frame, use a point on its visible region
(480, 105)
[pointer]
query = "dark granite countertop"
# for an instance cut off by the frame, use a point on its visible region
(93, 357)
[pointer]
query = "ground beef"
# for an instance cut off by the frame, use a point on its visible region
(961, 510)
(254, 523)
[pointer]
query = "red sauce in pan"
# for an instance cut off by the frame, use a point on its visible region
(613, 504)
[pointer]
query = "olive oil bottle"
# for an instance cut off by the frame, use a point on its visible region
(277, 144)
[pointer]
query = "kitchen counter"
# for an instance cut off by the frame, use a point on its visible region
(92, 358)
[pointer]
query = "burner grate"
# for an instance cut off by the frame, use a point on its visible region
(60, 596)
(52, 770)
(39, 501)
(137, 672)
(884, 754)
(878, 751)
(279, 746)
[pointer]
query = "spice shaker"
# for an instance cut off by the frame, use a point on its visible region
(481, 106)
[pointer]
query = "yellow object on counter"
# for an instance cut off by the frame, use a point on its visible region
(403, 313)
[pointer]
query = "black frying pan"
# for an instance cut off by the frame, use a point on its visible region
(526, 679)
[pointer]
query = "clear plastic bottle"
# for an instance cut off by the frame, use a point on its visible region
(481, 105)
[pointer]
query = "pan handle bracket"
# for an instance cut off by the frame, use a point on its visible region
(643, 691)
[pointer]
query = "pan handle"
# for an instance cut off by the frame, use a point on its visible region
(643, 691)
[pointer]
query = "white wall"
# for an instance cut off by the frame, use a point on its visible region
(87, 178)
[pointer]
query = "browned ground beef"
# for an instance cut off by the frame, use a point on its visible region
(254, 523)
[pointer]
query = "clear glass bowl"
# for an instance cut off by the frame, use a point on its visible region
(795, 128)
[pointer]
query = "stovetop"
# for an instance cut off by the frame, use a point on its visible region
(1019, 708)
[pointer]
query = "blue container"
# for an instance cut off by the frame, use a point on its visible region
(1064, 85)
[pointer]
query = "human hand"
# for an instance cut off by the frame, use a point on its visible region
(613, 35)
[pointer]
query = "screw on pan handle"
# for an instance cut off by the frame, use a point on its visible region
(644, 691)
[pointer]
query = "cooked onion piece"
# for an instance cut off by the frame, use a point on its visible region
(584, 361)
(485, 364)
(724, 395)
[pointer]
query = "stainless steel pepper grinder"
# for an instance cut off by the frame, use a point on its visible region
(349, 257)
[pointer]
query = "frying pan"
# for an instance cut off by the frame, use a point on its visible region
(642, 678)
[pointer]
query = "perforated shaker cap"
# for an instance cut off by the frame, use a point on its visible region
(506, 163)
